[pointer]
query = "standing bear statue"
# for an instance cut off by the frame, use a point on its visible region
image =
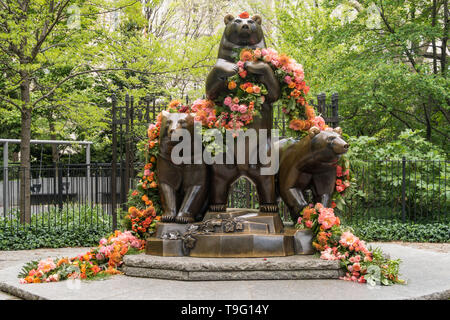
(243, 32)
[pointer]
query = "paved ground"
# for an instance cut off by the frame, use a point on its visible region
(438, 247)
(426, 267)
(19, 257)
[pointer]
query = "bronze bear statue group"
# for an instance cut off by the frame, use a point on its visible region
(188, 190)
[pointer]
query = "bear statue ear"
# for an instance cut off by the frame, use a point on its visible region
(313, 132)
(257, 18)
(165, 113)
(338, 130)
(228, 18)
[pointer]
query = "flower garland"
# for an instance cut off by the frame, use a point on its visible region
(343, 183)
(100, 261)
(337, 243)
(245, 96)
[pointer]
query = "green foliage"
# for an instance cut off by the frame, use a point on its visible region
(376, 55)
(34, 237)
(71, 216)
(377, 177)
(382, 230)
(71, 227)
(408, 143)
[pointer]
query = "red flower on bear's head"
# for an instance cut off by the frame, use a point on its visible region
(244, 15)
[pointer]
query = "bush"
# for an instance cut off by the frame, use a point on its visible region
(34, 237)
(382, 230)
(73, 226)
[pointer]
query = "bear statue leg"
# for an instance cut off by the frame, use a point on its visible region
(219, 195)
(295, 202)
(222, 177)
(169, 203)
(192, 203)
(265, 186)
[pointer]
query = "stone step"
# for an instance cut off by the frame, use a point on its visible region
(195, 269)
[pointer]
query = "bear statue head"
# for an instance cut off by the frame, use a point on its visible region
(243, 31)
(171, 123)
(328, 144)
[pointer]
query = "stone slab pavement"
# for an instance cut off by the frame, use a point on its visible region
(427, 272)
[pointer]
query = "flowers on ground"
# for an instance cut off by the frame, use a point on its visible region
(336, 243)
(102, 260)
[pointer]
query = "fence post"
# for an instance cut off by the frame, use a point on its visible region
(334, 108)
(321, 100)
(114, 164)
(88, 173)
(60, 191)
(5, 178)
(403, 189)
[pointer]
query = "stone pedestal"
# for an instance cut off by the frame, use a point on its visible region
(294, 267)
(236, 233)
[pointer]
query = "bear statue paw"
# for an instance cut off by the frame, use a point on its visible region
(269, 208)
(184, 219)
(218, 207)
(167, 217)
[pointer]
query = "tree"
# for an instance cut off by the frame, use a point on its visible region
(43, 45)
(387, 59)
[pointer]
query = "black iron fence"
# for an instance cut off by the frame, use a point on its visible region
(404, 190)
(73, 196)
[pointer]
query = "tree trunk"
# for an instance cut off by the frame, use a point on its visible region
(25, 136)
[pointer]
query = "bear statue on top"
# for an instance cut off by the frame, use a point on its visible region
(243, 32)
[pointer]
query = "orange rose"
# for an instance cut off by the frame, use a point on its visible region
(249, 90)
(310, 112)
(231, 85)
(246, 55)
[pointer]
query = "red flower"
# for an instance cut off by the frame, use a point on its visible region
(338, 171)
(244, 15)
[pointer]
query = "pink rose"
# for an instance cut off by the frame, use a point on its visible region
(256, 89)
(234, 107)
(146, 172)
(236, 100)
(242, 108)
(227, 101)
(275, 63)
(287, 79)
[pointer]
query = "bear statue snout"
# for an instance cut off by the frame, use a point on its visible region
(340, 146)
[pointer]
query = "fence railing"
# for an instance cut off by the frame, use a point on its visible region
(405, 190)
(73, 196)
